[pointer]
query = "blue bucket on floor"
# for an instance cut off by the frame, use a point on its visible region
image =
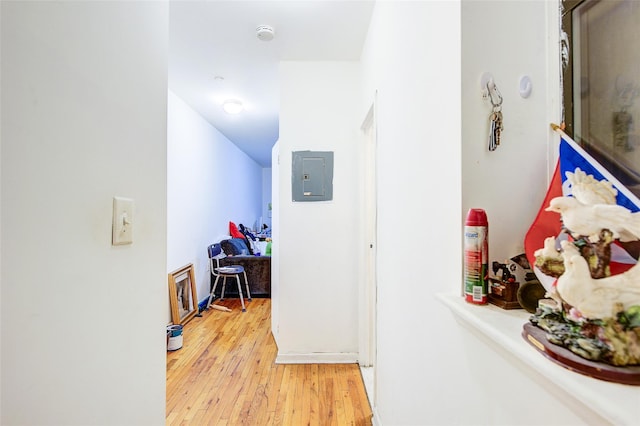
(174, 337)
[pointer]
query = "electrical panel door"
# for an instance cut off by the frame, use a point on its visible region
(312, 176)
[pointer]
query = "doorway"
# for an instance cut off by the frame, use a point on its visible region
(368, 304)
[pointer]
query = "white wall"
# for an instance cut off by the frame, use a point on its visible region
(431, 169)
(510, 182)
(318, 241)
(84, 87)
(266, 195)
(411, 58)
(210, 182)
(275, 247)
(1, 399)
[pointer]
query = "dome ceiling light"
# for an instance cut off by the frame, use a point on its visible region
(232, 106)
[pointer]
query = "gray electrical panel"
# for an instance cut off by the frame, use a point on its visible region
(312, 176)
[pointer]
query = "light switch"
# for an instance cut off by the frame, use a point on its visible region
(122, 231)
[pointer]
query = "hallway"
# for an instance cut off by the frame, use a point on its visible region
(225, 375)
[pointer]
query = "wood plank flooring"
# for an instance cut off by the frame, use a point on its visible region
(225, 374)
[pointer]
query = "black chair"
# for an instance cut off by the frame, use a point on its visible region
(232, 271)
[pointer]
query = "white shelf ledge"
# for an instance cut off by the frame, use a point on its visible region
(616, 403)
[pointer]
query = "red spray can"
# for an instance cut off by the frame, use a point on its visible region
(476, 257)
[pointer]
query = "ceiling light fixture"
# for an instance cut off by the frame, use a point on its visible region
(265, 32)
(232, 106)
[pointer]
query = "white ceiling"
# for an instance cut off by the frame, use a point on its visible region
(218, 38)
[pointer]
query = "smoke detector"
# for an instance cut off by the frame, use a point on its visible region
(265, 32)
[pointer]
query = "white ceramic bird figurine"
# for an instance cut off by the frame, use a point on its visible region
(586, 189)
(549, 250)
(549, 264)
(589, 220)
(596, 298)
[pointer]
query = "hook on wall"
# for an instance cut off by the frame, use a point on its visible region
(525, 86)
(485, 78)
(490, 90)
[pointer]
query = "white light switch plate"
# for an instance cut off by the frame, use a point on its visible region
(122, 231)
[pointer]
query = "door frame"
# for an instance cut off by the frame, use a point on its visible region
(368, 291)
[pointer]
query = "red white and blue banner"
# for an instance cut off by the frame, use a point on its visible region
(548, 224)
(573, 156)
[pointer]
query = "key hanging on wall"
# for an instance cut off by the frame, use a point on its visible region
(495, 119)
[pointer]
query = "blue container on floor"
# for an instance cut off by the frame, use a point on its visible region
(174, 337)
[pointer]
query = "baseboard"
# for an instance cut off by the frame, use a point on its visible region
(318, 358)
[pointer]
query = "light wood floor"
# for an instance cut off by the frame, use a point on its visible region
(225, 374)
